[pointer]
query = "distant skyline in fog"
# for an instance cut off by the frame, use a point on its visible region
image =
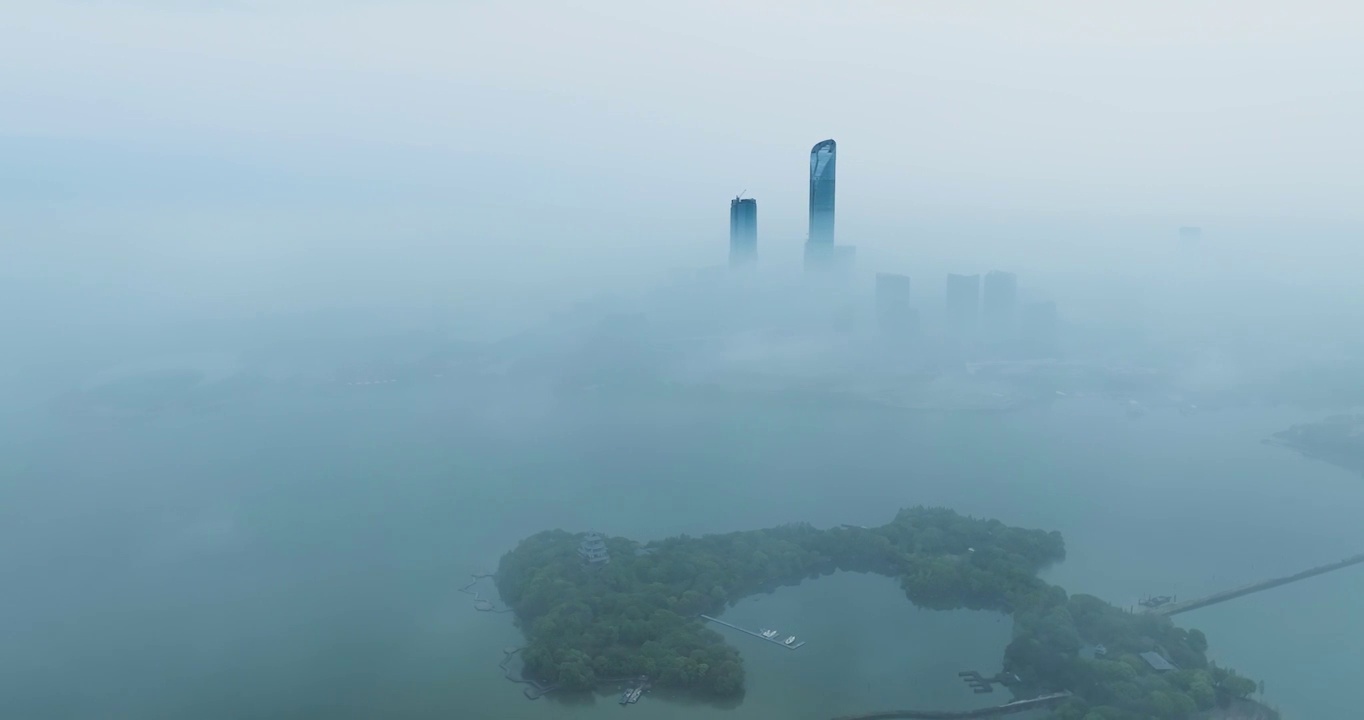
(267, 154)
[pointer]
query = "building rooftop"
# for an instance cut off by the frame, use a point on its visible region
(592, 549)
(1157, 661)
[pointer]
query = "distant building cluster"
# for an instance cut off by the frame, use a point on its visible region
(978, 311)
(821, 252)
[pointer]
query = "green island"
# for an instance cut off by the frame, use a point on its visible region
(637, 614)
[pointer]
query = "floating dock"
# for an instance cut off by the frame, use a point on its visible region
(773, 640)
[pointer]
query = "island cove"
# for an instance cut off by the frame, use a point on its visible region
(636, 610)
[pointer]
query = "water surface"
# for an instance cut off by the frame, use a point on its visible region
(299, 556)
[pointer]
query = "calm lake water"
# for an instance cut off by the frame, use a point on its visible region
(301, 557)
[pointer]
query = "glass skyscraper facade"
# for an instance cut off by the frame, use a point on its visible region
(743, 231)
(823, 166)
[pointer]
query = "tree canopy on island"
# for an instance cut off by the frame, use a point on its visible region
(638, 614)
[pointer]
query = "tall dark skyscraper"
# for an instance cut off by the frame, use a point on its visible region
(963, 301)
(999, 301)
(743, 232)
(823, 167)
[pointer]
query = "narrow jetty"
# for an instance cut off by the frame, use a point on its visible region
(535, 689)
(1016, 706)
(481, 603)
(746, 631)
(1225, 595)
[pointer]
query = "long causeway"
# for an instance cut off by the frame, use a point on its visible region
(1225, 595)
(1016, 706)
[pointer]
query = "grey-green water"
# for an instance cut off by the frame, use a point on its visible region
(300, 557)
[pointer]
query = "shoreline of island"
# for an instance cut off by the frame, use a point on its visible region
(594, 606)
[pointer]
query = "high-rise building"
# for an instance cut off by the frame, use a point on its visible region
(743, 231)
(894, 314)
(963, 301)
(999, 301)
(823, 167)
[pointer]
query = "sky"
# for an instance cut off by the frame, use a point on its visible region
(241, 153)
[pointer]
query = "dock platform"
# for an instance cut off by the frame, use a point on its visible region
(746, 631)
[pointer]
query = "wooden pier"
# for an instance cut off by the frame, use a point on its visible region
(1016, 706)
(1225, 595)
(774, 641)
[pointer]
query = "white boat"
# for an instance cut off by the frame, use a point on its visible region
(769, 634)
(790, 640)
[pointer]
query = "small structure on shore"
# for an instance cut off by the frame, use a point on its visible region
(593, 550)
(1158, 662)
(632, 693)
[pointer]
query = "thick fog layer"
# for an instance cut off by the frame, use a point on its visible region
(332, 303)
(244, 154)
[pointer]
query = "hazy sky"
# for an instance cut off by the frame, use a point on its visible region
(298, 148)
